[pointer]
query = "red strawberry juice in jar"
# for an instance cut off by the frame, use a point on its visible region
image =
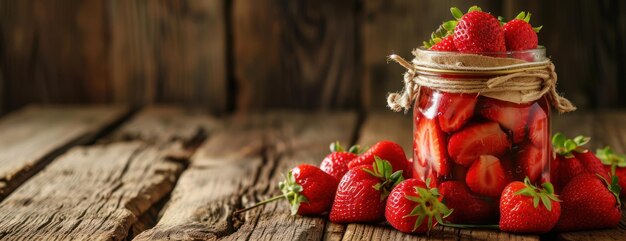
(480, 141)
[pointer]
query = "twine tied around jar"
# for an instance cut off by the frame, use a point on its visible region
(505, 79)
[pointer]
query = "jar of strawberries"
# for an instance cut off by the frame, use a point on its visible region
(480, 122)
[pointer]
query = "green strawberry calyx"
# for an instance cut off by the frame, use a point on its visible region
(613, 187)
(545, 195)
(336, 147)
(564, 146)
(428, 206)
(292, 192)
(447, 28)
(525, 16)
(382, 170)
(609, 158)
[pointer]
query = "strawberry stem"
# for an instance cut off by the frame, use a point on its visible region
(261, 203)
(465, 226)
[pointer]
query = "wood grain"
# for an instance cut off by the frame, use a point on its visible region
(399, 129)
(260, 147)
(397, 27)
(32, 137)
(295, 54)
(99, 192)
(52, 52)
(169, 51)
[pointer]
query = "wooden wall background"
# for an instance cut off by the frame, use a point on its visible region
(230, 55)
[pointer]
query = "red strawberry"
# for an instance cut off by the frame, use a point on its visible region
(568, 169)
(309, 190)
(362, 193)
(410, 203)
(590, 202)
(538, 128)
(575, 157)
(614, 164)
(487, 176)
(446, 44)
(519, 35)
(386, 150)
(511, 116)
(456, 110)
(525, 208)
(430, 146)
(477, 32)
(467, 207)
(532, 159)
(474, 140)
(336, 163)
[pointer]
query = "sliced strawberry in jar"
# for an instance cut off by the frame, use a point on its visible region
(468, 144)
(511, 116)
(455, 110)
(538, 127)
(487, 176)
(430, 143)
(532, 160)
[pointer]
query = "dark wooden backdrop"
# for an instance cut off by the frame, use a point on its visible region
(228, 55)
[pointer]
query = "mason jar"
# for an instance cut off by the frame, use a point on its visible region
(482, 140)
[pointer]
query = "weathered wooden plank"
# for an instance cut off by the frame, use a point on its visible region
(89, 193)
(398, 128)
(98, 192)
(169, 51)
(306, 49)
(239, 166)
(398, 27)
(33, 136)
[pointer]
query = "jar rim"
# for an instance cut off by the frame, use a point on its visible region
(539, 53)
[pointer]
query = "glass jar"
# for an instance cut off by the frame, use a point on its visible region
(481, 142)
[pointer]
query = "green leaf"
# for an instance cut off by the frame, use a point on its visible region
(546, 202)
(377, 186)
(420, 220)
(520, 15)
(535, 202)
(456, 13)
(548, 187)
(527, 18)
(558, 139)
(355, 149)
(449, 25)
(474, 8)
(368, 171)
(537, 29)
(413, 198)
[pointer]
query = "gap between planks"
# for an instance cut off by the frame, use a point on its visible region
(99, 191)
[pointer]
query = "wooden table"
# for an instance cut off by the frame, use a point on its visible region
(166, 173)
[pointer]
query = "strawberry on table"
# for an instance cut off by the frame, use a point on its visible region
(467, 207)
(386, 150)
(430, 147)
(519, 35)
(414, 207)
(336, 163)
(615, 164)
(466, 145)
(456, 110)
(363, 191)
(309, 191)
(487, 176)
(590, 202)
(524, 208)
(575, 159)
(513, 117)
